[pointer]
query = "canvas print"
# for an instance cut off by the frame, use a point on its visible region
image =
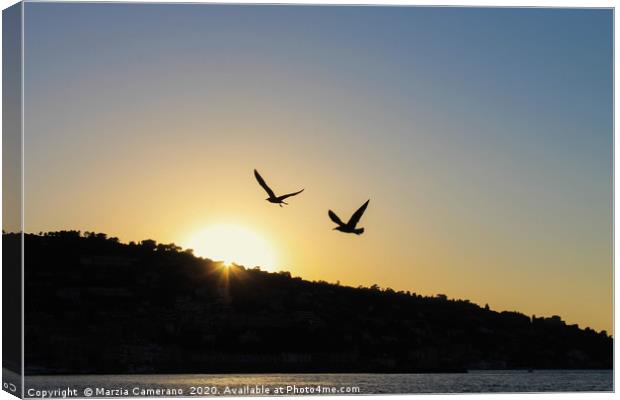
(233, 199)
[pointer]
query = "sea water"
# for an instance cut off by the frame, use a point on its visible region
(180, 385)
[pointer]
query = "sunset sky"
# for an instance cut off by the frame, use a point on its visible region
(483, 138)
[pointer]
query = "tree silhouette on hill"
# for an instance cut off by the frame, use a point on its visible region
(96, 305)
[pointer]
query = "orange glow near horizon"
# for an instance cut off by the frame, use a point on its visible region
(230, 244)
(477, 192)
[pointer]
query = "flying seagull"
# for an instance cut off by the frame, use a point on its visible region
(349, 227)
(272, 196)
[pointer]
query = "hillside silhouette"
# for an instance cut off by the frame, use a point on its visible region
(95, 305)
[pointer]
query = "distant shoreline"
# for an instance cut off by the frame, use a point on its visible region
(466, 371)
(151, 308)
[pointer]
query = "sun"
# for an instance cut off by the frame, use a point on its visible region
(232, 244)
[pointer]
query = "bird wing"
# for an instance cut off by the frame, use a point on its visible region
(263, 184)
(285, 196)
(334, 217)
(355, 218)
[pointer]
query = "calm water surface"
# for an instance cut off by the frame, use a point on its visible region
(274, 384)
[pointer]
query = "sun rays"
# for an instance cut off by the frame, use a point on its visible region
(233, 244)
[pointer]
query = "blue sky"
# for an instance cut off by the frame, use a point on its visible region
(482, 136)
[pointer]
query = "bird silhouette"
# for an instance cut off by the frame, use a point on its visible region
(349, 227)
(272, 196)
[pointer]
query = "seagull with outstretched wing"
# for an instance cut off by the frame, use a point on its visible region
(350, 226)
(272, 196)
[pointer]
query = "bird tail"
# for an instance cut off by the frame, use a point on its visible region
(358, 231)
